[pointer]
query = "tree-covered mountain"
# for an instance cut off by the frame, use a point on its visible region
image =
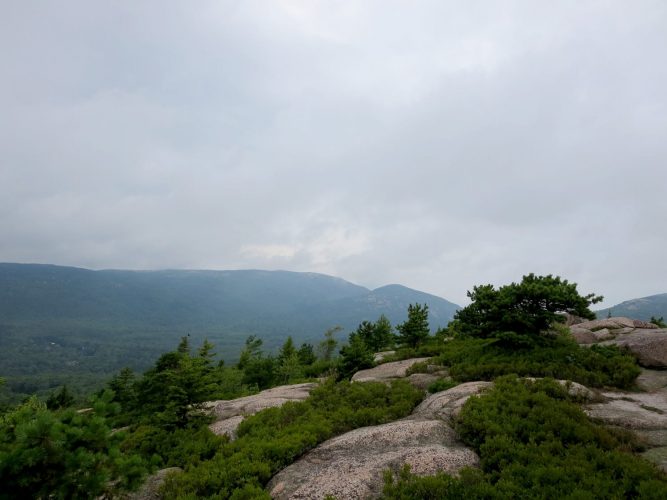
(643, 308)
(63, 324)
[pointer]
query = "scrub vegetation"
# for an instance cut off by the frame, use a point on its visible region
(533, 439)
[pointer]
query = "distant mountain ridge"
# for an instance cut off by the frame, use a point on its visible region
(74, 321)
(642, 308)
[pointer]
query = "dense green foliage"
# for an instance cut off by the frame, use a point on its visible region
(520, 313)
(64, 454)
(415, 330)
(535, 442)
(354, 356)
(273, 438)
(532, 438)
(368, 339)
(377, 336)
(561, 358)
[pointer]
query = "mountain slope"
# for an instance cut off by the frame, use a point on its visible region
(64, 323)
(642, 308)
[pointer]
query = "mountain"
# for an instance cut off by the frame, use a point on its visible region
(70, 324)
(643, 308)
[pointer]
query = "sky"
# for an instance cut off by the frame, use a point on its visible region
(435, 144)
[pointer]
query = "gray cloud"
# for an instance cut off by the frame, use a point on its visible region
(430, 143)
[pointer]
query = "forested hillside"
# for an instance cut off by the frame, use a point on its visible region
(77, 326)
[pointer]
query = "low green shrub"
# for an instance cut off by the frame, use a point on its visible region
(441, 384)
(534, 442)
(421, 367)
(274, 438)
(561, 358)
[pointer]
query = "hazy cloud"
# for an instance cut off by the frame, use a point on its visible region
(436, 144)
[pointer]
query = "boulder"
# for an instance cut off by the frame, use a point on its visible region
(379, 356)
(644, 324)
(447, 404)
(649, 346)
(616, 323)
(623, 331)
(422, 380)
(387, 371)
(611, 323)
(227, 427)
(579, 391)
(652, 380)
(645, 340)
(352, 465)
(603, 334)
(583, 335)
(571, 319)
(230, 413)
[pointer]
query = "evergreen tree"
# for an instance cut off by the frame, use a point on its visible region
(170, 393)
(384, 334)
(306, 354)
(253, 349)
(184, 345)
(355, 356)
(289, 369)
(366, 333)
(328, 346)
(60, 399)
(522, 313)
(415, 330)
(378, 335)
(64, 454)
(287, 350)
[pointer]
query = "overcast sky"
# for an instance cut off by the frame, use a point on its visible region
(435, 144)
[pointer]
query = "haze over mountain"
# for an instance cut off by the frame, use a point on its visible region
(642, 308)
(67, 321)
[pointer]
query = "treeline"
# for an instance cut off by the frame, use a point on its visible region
(534, 441)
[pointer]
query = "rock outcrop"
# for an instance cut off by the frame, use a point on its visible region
(644, 340)
(380, 356)
(150, 490)
(648, 346)
(230, 413)
(638, 411)
(387, 371)
(447, 404)
(644, 413)
(351, 466)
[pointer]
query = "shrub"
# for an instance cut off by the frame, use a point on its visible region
(274, 438)
(441, 384)
(534, 442)
(561, 358)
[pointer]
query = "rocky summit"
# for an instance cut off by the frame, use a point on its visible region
(352, 465)
(644, 340)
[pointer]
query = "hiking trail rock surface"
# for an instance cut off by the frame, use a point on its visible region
(230, 413)
(387, 371)
(351, 465)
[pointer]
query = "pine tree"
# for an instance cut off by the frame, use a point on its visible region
(415, 330)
